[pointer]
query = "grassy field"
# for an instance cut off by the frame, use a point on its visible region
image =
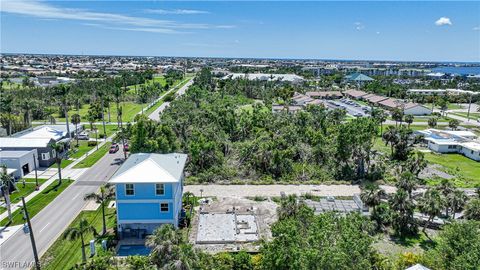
(129, 111)
(22, 191)
(79, 151)
(465, 170)
(64, 254)
(94, 157)
(157, 79)
(473, 115)
(39, 202)
(451, 106)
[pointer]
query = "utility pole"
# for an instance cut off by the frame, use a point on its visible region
(36, 175)
(32, 238)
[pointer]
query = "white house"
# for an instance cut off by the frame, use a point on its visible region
(445, 141)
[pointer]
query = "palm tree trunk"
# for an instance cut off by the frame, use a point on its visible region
(59, 164)
(108, 108)
(65, 109)
(84, 256)
(104, 229)
(103, 120)
(6, 195)
(76, 131)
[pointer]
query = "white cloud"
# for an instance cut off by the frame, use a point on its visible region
(476, 28)
(443, 21)
(176, 11)
(359, 26)
(43, 10)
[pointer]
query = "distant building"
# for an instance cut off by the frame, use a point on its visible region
(149, 190)
(355, 94)
(430, 92)
(22, 162)
(408, 108)
(266, 77)
(325, 94)
(358, 78)
(446, 141)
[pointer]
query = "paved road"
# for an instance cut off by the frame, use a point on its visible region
(155, 115)
(16, 252)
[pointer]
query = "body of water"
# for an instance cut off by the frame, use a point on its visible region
(458, 70)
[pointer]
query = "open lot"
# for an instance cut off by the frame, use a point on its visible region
(465, 170)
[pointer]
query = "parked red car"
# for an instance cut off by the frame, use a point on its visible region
(114, 148)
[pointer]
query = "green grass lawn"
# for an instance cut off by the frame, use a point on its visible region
(465, 170)
(451, 106)
(129, 111)
(79, 151)
(22, 191)
(94, 157)
(39, 202)
(64, 254)
(473, 115)
(65, 163)
(158, 79)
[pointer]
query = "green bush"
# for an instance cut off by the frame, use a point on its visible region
(92, 143)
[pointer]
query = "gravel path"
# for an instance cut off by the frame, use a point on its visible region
(275, 190)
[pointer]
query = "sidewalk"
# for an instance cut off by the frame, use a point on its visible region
(52, 174)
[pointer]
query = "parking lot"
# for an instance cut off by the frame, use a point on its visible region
(353, 108)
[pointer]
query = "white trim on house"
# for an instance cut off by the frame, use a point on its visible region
(145, 201)
(134, 221)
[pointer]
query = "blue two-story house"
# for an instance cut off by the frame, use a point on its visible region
(149, 190)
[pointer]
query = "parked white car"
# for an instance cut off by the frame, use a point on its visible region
(83, 136)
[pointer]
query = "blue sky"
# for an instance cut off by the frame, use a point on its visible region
(430, 31)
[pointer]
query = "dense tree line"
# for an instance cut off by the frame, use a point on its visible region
(230, 132)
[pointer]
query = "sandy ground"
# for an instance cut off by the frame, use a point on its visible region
(240, 191)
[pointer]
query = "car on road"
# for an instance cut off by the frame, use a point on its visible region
(114, 148)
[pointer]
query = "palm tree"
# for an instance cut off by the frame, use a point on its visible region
(453, 124)
(73, 233)
(446, 188)
(289, 207)
(472, 209)
(106, 194)
(432, 122)
(409, 119)
(431, 205)
(456, 201)
(62, 92)
(407, 182)
(58, 147)
(403, 206)
(390, 137)
(76, 120)
(372, 195)
(6, 184)
(165, 243)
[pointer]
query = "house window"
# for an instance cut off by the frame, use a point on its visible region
(129, 189)
(45, 156)
(164, 207)
(54, 153)
(160, 189)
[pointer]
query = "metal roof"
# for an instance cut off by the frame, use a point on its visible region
(24, 142)
(151, 168)
(14, 154)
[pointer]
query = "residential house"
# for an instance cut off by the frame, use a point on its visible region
(149, 191)
(446, 141)
(406, 107)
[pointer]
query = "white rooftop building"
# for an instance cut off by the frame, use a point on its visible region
(266, 77)
(445, 141)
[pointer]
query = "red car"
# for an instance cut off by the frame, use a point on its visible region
(114, 148)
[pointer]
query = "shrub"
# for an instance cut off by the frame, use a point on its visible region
(92, 143)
